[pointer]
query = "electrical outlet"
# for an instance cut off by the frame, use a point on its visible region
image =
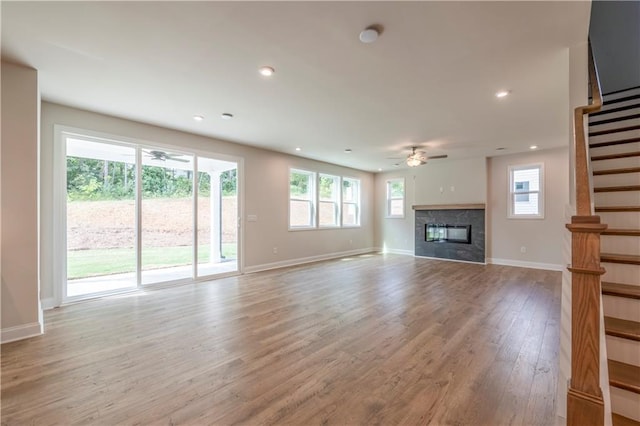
(523, 249)
(275, 250)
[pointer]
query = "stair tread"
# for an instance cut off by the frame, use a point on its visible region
(624, 376)
(631, 259)
(615, 156)
(619, 420)
(617, 171)
(621, 231)
(619, 188)
(622, 328)
(604, 209)
(621, 290)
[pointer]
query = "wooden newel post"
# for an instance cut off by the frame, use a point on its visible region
(584, 398)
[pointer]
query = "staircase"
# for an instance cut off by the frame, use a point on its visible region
(614, 142)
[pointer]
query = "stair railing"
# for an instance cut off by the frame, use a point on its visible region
(585, 405)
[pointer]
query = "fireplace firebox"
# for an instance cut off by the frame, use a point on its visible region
(445, 233)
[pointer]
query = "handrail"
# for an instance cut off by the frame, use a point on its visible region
(583, 190)
(585, 404)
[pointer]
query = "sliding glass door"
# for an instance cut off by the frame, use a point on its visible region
(167, 216)
(138, 215)
(101, 220)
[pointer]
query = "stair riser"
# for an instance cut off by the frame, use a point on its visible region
(618, 136)
(623, 274)
(627, 118)
(625, 403)
(632, 108)
(620, 245)
(625, 220)
(623, 350)
(621, 198)
(621, 179)
(623, 94)
(614, 149)
(621, 307)
(616, 163)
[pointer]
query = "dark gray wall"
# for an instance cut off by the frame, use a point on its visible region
(615, 38)
(474, 252)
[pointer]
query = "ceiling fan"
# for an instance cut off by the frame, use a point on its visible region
(164, 156)
(418, 158)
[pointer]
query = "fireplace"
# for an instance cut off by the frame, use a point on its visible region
(441, 233)
(453, 231)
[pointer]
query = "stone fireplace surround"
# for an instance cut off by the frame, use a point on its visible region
(451, 214)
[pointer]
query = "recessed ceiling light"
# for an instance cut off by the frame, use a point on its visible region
(266, 71)
(533, 147)
(347, 151)
(298, 149)
(226, 116)
(379, 169)
(198, 117)
(369, 35)
(502, 94)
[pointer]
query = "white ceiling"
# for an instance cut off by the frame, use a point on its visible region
(429, 80)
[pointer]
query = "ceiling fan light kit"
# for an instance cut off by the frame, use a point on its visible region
(416, 158)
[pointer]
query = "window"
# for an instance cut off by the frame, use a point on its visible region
(526, 197)
(395, 198)
(329, 200)
(302, 199)
(350, 202)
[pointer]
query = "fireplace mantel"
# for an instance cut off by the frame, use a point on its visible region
(449, 207)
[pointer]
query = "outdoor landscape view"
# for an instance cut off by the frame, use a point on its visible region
(101, 225)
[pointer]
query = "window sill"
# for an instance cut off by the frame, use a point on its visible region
(525, 217)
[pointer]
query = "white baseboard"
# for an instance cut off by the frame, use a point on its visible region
(19, 332)
(48, 303)
(396, 251)
(523, 264)
(303, 260)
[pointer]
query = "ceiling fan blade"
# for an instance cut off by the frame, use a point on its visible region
(436, 157)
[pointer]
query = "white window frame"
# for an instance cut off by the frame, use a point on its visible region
(512, 194)
(356, 203)
(390, 198)
(337, 197)
(313, 196)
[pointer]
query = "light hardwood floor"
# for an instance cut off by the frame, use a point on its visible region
(379, 339)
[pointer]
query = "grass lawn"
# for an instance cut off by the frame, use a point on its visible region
(91, 263)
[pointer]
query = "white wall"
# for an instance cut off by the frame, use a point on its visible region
(265, 193)
(542, 238)
(21, 314)
(468, 177)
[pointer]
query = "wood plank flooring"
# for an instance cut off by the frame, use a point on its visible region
(376, 339)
